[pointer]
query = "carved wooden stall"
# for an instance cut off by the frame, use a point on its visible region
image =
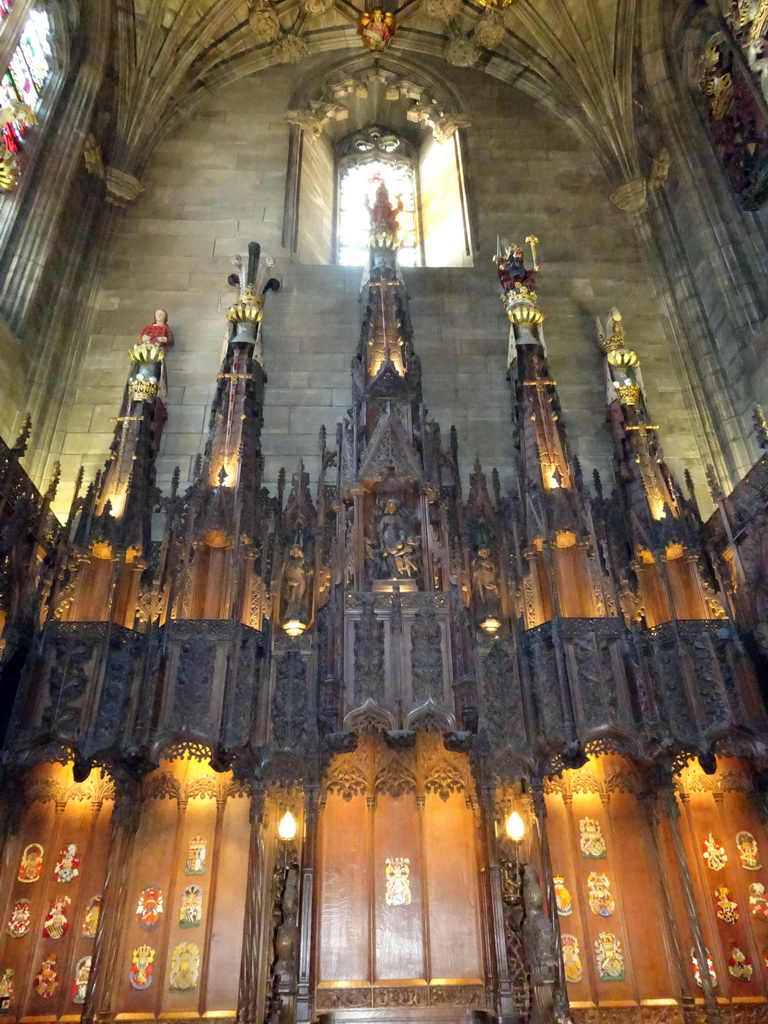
(383, 751)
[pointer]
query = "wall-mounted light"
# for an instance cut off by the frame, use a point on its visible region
(490, 625)
(512, 870)
(286, 829)
(294, 627)
(515, 827)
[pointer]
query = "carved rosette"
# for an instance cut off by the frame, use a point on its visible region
(462, 53)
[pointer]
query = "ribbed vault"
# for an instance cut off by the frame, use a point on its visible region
(576, 56)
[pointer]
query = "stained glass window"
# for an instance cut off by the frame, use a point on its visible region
(27, 73)
(357, 185)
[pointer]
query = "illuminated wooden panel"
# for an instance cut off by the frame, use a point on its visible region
(455, 949)
(399, 930)
(345, 884)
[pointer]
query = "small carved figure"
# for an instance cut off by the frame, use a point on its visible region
(158, 332)
(295, 572)
(383, 219)
(287, 931)
(510, 266)
(376, 28)
(485, 587)
(396, 546)
(540, 945)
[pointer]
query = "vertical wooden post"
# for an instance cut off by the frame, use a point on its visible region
(248, 1011)
(306, 918)
(503, 981)
(540, 810)
(676, 954)
(126, 815)
(213, 885)
(671, 812)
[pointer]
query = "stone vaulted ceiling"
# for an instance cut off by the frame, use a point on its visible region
(574, 55)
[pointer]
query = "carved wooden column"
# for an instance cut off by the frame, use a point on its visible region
(125, 821)
(504, 994)
(540, 810)
(671, 813)
(248, 1009)
(304, 1000)
(676, 955)
(221, 804)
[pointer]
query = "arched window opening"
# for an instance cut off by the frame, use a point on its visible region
(376, 157)
(357, 130)
(25, 80)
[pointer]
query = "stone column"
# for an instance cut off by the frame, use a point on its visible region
(10, 30)
(36, 237)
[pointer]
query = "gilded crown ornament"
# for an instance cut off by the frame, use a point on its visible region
(249, 308)
(144, 386)
(628, 394)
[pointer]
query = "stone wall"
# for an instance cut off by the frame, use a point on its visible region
(219, 182)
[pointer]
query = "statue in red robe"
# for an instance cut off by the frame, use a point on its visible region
(158, 333)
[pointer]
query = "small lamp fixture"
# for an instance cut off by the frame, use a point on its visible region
(286, 829)
(294, 627)
(515, 827)
(490, 625)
